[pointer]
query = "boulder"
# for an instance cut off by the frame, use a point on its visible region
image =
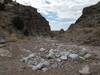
(85, 70)
(74, 56)
(5, 53)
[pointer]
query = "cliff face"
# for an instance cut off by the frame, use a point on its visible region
(25, 19)
(86, 30)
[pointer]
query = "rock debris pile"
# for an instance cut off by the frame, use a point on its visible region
(44, 59)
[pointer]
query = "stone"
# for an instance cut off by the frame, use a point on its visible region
(63, 57)
(82, 58)
(87, 56)
(44, 69)
(34, 68)
(46, 63)
(25, 59)
(51, 54)
(41, 65)
(85, 70)
(42, 49)
(74, 56)
(65, 53)
(36, 62)
(59, 59)
(5, 53)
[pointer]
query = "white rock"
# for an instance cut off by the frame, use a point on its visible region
(28, 51)
(25, 59)
(82, 58)
(84, 49)
(65, 53)
(5, 53)
(44, 69)
(31, 55)
(51, 51)
(63, 57)
(51, 54)
(85, 70)
(42, 49)
(74, 56)
(41, 65)
(46, 63)
(58, 59)
(82, 53)
(34, 68)
(88, 56)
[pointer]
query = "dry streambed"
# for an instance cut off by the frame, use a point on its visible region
(49, 55)
(54, 58)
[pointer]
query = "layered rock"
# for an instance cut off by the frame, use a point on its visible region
(86, 30)
(25, 19)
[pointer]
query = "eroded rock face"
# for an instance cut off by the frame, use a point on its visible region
(86, 30)
(25, 19)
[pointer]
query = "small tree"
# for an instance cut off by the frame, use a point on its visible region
(62, 31)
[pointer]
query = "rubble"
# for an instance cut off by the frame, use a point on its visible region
(52, 58)
(41, 66)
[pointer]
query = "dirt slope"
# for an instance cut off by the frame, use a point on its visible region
(25, 19)
(86, 30)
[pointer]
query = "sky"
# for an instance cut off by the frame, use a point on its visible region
(60, 13)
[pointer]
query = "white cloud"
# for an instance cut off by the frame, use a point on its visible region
(64, 9)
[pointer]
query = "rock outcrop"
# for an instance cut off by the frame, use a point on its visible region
(86, 30)
(15, 18)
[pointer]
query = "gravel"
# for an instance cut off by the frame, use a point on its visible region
(52, 59)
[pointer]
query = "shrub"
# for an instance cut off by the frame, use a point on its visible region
(2, 6)
(18, 23)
